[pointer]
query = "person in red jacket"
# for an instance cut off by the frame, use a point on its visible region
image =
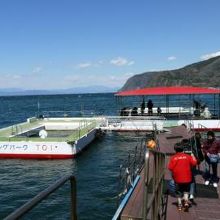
(180, 165)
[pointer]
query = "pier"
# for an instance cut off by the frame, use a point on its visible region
(205, 206)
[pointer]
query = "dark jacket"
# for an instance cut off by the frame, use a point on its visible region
(211, 147)
(196, 148)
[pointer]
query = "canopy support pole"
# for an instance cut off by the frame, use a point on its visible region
(218, 106)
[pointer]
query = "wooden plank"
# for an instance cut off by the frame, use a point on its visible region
(125, 199)
(133, 209)
(168, 139)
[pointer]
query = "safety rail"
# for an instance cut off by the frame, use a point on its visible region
(154, 170)
(189, 123)
(138, 123)
(129, 169)
(30, 130)
(200, 126)
(45, 193)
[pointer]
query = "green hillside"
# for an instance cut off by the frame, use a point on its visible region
(205, 74)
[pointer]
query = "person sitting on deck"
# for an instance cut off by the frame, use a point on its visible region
(181, 165)
(211, 150)
(150, 107)
(159, 111)
(134, 111)
(124, 111)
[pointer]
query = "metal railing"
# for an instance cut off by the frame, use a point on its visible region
(30, 131)
(45, 193)
(133, 164)
(154, 170)
(129, 169)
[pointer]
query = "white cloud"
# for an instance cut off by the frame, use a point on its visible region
(121, 61)
(11, 80)
(37, 69)
(128, 75)
(16, 76)
(11, 76)
(112, 78)
(116, 80)
(131, 63)
(84, 65)
(171, 58)
(154, 70)
(100, 62)
(210, 55)
(90, 64)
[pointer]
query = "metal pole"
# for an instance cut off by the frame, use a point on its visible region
(146, 173)
(218, 106)
(214, 104)
(155, 171)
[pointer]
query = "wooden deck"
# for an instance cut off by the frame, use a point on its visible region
(203, 208)
(133, 209)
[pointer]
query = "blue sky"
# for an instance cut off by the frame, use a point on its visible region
(58, 44)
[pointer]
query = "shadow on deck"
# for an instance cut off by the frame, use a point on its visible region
(206, 204)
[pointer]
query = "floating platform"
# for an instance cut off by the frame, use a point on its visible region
(48, 138)
(160, 123)
(57, 138)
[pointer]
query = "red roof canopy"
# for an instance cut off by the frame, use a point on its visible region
(174, 90)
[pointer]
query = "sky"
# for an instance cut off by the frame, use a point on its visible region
(60, 44)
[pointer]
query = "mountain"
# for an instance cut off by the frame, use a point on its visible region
(91, 89)
(76, 90)
(202, 74)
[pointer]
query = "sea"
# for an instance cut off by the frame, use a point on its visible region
(96, 169)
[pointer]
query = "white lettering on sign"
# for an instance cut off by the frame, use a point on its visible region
(13, 147)
(45, 147)
(24, 147)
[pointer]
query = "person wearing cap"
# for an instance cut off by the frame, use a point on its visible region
(211, 150)
(180, 165)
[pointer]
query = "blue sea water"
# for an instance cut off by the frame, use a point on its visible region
(96, 169)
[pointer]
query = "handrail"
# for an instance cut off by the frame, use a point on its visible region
(152, 205)
(45, 193)
(202, 126)
(125, 199)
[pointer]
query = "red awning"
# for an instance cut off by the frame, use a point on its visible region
(174, 90)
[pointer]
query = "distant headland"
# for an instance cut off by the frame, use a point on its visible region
(202, 74)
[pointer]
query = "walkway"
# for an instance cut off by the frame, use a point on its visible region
(206, 205)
